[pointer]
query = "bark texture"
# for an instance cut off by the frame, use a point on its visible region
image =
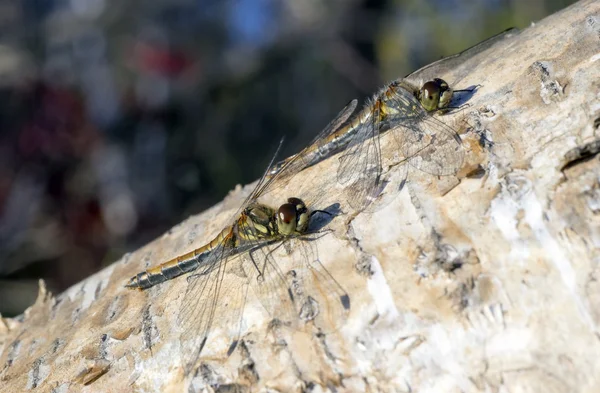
(487, 281)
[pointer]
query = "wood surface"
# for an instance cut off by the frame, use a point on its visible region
(488, 281)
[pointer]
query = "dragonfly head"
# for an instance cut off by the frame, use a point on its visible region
(435, 95)
(292, 217)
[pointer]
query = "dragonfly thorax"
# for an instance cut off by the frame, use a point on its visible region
(256, 223)
(292, 217)
(435, 95)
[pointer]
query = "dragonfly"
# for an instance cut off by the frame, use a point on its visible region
(242, 256)
(425, 142)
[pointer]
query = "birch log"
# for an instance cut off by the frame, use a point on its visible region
(488, 281)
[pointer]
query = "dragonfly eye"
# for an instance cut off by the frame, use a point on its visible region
(286, 218)
(435, 94)
(302, 216)
(297, 202)
(445, 93)
(430, 96)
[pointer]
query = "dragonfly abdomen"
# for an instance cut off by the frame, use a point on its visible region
(335, 142)
(177, 266)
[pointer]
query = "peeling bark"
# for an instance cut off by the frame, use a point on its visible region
(482, 282)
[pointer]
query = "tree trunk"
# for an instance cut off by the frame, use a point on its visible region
(486, 281)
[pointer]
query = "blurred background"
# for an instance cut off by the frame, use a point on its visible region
(119, 119)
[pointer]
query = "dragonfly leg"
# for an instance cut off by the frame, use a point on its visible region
(460, 107)
(251, 254)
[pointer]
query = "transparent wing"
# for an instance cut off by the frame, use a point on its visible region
(360, 165)
(322, 300)
(281, 173)
(213, 299)
(447, 64)
(268, 281)
(298, 289)
(432, 146)
(428, 144)
(335, 124)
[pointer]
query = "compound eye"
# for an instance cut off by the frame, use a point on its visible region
(286, 218)
(445, 99)
(445, 93)
(430, 95)
(287, 213)
(441, 83)
(297, 202)
(432, 87)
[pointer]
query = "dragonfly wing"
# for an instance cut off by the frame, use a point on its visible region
(282, 172)
(427, 143)
(323, 297)
(298, 289)
(431, 146)
(360, 165)
(270, 285)
(337, 121)
(447, 64)
(212, 299)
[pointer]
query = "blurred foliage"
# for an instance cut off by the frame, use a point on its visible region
(121, 118)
